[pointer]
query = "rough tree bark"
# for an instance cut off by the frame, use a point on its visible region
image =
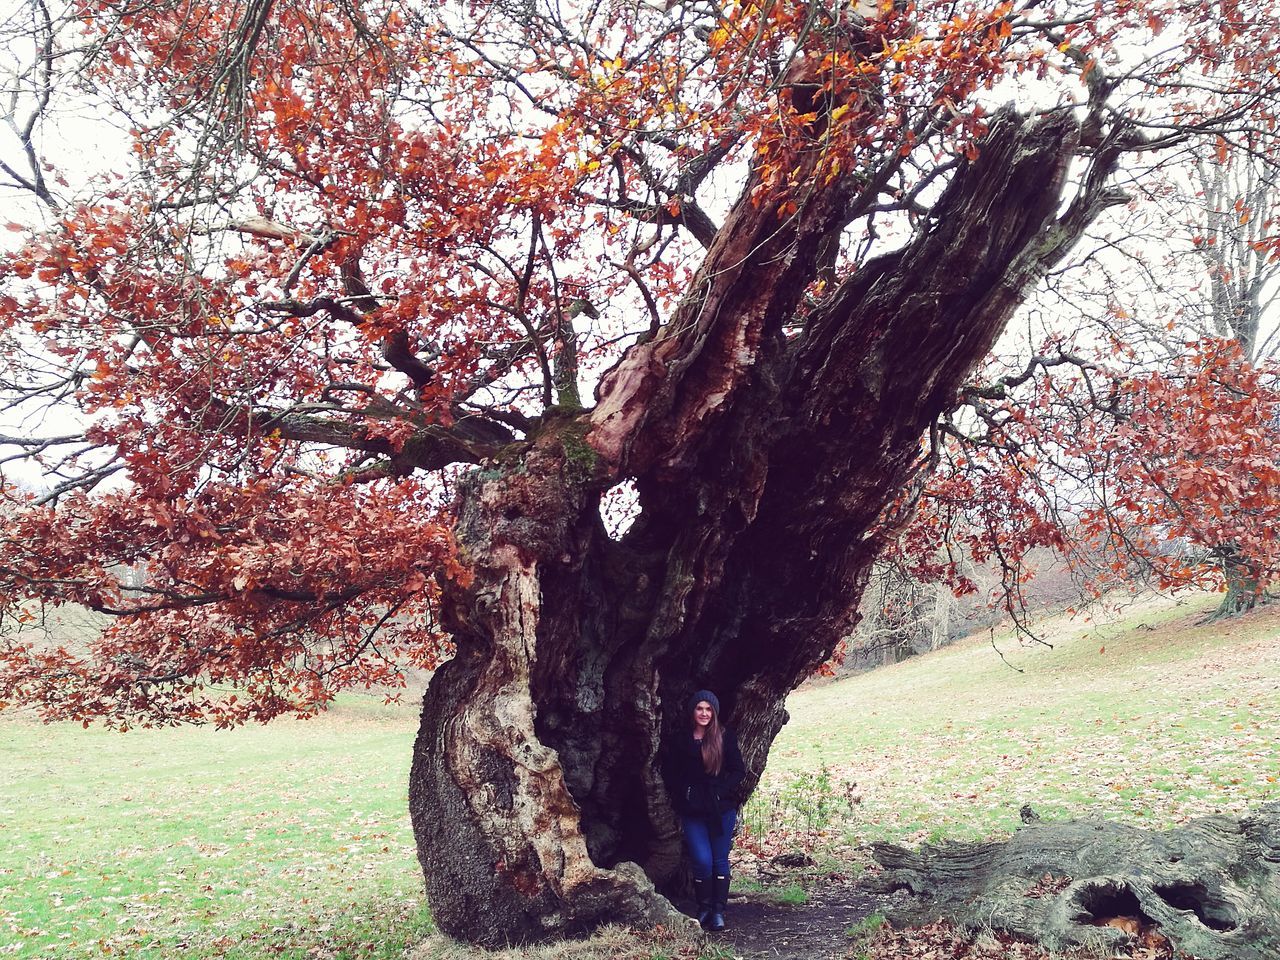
(1245, 590)
(765, 463)
(1209, 886)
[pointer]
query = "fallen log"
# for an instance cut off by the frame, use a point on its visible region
(1210, 887)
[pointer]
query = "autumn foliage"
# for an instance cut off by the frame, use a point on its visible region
(1164, 475)
(353, 246)
(318, 366)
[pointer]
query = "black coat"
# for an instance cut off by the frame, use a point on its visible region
(694, 792)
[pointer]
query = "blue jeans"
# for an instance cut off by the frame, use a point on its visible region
(709, 854)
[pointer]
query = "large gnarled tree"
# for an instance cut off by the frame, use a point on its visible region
(309, 363)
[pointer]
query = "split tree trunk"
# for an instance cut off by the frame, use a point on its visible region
(765, 465)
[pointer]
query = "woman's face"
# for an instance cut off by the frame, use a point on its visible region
(702, 714)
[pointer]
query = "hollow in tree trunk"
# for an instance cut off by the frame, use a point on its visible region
(766, 463)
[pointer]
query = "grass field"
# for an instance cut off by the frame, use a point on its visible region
(1151, 718)
(292, 840)
(289, 840)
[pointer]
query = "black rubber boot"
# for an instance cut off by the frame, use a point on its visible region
(719, 902)
(702, 894)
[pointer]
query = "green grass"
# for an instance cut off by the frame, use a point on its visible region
(862, 933)
(1152, 718)
(289, 840)
(863, 929)
(293, 840)
(791, 895)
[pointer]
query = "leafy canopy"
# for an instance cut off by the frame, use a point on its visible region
(348, 247)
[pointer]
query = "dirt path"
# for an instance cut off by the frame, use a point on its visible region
(762, 929)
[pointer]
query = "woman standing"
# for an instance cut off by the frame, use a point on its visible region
(704, 769)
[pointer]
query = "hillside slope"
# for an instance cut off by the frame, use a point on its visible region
(1150, 716)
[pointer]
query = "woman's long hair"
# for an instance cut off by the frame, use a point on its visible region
(712, 741)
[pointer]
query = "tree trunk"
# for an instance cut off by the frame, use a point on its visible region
(765, 465)
(1208, 887)
(1244, 587)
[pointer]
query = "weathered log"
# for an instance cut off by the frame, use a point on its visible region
(1211, 887)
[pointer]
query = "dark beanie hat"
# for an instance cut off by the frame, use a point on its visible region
(708, 696)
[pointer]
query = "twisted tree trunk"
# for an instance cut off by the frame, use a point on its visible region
(765, 465)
